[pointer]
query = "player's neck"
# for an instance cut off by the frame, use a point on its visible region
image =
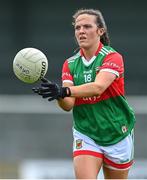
(90, 52)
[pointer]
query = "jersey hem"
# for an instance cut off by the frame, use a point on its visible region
(110, 143)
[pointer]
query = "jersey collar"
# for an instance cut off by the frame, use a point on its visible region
(87, 63)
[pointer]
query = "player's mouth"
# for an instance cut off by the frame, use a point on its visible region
(82, 38)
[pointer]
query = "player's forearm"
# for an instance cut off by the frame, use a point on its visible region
(67, 103)
(87, 90)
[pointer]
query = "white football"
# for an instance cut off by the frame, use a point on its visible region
(30, 65)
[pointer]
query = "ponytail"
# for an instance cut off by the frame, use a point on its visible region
(105, 39)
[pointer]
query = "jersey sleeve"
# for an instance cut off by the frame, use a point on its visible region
(113, 63)
(66, 75)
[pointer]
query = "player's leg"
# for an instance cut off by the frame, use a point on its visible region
(88, 157)
(119, 158)
(87, 167)
(115, 174)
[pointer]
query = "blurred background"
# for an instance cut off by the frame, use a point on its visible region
(36, 136)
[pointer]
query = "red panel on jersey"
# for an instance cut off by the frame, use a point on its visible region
(113, 61)
(66, 72)
(115, 89)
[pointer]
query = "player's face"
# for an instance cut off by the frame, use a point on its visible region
(86, 31)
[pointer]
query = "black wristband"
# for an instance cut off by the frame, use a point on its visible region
(66, 92)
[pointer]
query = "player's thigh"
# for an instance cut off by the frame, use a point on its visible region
(115, 174)
(118, 159)
(87, 155)
(87, 167)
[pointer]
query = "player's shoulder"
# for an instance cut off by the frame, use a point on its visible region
(109, 51)
(113, 56)
(74, 57)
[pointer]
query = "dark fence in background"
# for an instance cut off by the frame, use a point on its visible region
(46, 25)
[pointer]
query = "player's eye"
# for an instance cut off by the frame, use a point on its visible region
(87, 26)
(77, 27)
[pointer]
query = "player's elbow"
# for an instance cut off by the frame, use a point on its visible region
(99, 89)
(67, 109)
(66, 104)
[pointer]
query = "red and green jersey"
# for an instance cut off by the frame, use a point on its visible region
(106, 119)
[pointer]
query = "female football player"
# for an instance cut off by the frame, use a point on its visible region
(93, 86)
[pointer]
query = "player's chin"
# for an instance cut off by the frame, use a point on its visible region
(83, 45)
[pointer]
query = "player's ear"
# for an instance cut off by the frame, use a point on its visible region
(101, 31)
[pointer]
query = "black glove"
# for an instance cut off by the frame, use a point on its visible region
(51, 90)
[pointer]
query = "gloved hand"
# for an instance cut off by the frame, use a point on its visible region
(51, 90)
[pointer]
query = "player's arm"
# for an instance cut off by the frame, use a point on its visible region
(102, 82)
(67, 93)
(53, 91)
(111, 69)
(68, 102)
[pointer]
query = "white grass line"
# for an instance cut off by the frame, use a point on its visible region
(27, 104)
(35, 169)
(34, 104)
